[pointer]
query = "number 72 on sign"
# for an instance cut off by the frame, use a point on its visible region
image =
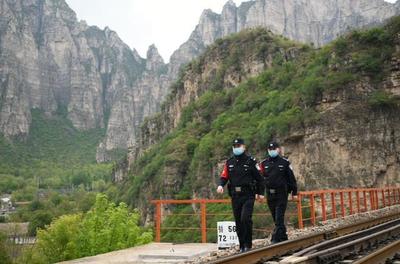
(227, 236)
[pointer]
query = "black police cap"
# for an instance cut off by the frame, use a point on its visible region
(238, 141)
(273, 145)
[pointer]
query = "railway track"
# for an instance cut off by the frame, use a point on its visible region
(349, 246)
(390, 251)
(286, 248)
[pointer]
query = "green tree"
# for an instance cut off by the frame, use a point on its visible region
(40, 219)
(4, 257)
(58, 241)
(106, 227)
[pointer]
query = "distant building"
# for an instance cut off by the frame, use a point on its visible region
(17, 233)
(6, 205)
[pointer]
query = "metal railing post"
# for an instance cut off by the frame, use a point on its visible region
(158, 221)
(300, 212)
(203, 222)
(383, 198)
(350, 202)
(342, 203)
(358, 200)
(333, 201)
(312, 209)
(371, 198)
(323, 204)
(365, 201)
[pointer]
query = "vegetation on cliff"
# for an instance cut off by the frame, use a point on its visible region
(54, 168)
(278, 102)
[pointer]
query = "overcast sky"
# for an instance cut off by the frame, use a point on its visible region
(140, 23)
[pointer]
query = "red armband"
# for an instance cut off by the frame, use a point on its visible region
(225, 173)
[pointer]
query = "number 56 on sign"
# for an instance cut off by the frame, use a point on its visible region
(227, 236)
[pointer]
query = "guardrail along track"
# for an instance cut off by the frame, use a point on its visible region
(380, 256)
(351, 245)
(284, 248)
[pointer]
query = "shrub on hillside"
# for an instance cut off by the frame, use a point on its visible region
(106, 227)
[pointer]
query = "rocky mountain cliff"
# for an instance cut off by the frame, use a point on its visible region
(335, 109)
(52, 62)
(308, 21)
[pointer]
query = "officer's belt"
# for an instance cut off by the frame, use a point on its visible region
(242, 189)
(273, 191)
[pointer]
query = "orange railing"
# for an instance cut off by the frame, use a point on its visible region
(261, 214)
(329, 204)
(310, 207)
(203, 217)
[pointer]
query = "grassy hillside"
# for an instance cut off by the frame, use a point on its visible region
(54, 168)
(271, 105)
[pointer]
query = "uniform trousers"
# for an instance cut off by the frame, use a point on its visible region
(243, 205)
(277, 203)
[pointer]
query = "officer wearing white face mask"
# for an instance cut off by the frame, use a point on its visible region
(279, 181)
(245, 184)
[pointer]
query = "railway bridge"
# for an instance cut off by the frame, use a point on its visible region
(360, 225)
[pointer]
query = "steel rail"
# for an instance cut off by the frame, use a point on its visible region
(283, 248)
(380, 256)
(337, 253)
(346, 238)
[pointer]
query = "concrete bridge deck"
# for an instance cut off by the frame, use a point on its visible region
(150, 253)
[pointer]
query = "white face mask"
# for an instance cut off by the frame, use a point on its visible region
(238, 151)
(273, 153)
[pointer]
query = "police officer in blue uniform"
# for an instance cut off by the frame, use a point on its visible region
(279, 181)
(245, 184)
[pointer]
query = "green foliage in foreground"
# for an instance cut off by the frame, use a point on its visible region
(4, 257)
(106, 227)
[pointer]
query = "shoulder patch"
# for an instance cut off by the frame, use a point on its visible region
(251, 160)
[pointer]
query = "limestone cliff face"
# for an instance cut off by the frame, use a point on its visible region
(207, 73)
(352, 144)
(52, 62)
(134, 104)
(308, 21)
(225, 65)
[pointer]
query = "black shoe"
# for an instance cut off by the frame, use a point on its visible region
(274, 242)
(245, 249)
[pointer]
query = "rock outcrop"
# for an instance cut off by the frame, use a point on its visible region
(335, 110)
(351, 145)
(52, 62)
(309, 21)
